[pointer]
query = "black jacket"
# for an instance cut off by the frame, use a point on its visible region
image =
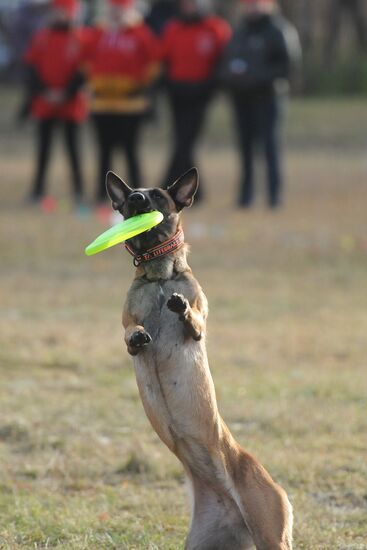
(261, 54)
(161, 13)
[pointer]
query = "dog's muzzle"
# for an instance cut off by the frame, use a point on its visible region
(139, 202)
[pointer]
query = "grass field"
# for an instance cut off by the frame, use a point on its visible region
(80, 467)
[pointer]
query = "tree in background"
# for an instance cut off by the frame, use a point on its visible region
(338, 11)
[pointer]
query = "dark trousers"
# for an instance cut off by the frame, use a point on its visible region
(188, 114)
(258, 123)
(117, 131)
(45, 135)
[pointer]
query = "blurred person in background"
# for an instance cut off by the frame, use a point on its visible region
(123, 64)
(192, 46)
(55, 95)
(157, 18)
(255, 70)
(161, 13)
(25, 19)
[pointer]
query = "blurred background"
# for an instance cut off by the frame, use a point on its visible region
(80, 467)
(333, 35)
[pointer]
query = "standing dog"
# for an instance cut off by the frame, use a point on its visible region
(236, 504)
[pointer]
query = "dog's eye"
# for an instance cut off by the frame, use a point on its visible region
(156, 194)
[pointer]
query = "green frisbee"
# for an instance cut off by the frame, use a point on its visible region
(124, 231)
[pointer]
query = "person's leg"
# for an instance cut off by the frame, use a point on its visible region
(44, 143)
(102, 125)
(178, 157)
(195, 117)
(246, 137)
(271, 113)
(195, 126)
(130, 139)
(188, 119)
(71, 129)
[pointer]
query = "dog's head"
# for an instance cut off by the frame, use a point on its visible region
(170, 202)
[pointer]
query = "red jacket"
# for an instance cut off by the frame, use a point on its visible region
(191, 50)
(57, 56)
(122, 65)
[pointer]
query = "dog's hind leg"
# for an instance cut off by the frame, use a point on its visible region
(264, 504)
(217, 523)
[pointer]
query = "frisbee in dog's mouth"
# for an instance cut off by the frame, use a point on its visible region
(124, 231)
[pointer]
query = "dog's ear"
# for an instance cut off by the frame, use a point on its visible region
(184, 189)
(117, 190)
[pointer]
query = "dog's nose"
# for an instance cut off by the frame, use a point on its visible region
(137, 199)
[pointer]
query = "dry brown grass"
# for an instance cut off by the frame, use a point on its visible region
(80, 466)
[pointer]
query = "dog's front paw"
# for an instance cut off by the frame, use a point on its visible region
(178, 304)
(138, 341)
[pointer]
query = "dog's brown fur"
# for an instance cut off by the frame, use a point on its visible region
(236, 504)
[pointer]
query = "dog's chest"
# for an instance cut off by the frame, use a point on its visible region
(149, 307)
(172, 372)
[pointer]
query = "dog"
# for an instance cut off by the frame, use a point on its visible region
(236, 504)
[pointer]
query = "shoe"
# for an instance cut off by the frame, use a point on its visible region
(79, 200)
(275, 204)
(33, 200)
(48, 205)
(246, 205)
